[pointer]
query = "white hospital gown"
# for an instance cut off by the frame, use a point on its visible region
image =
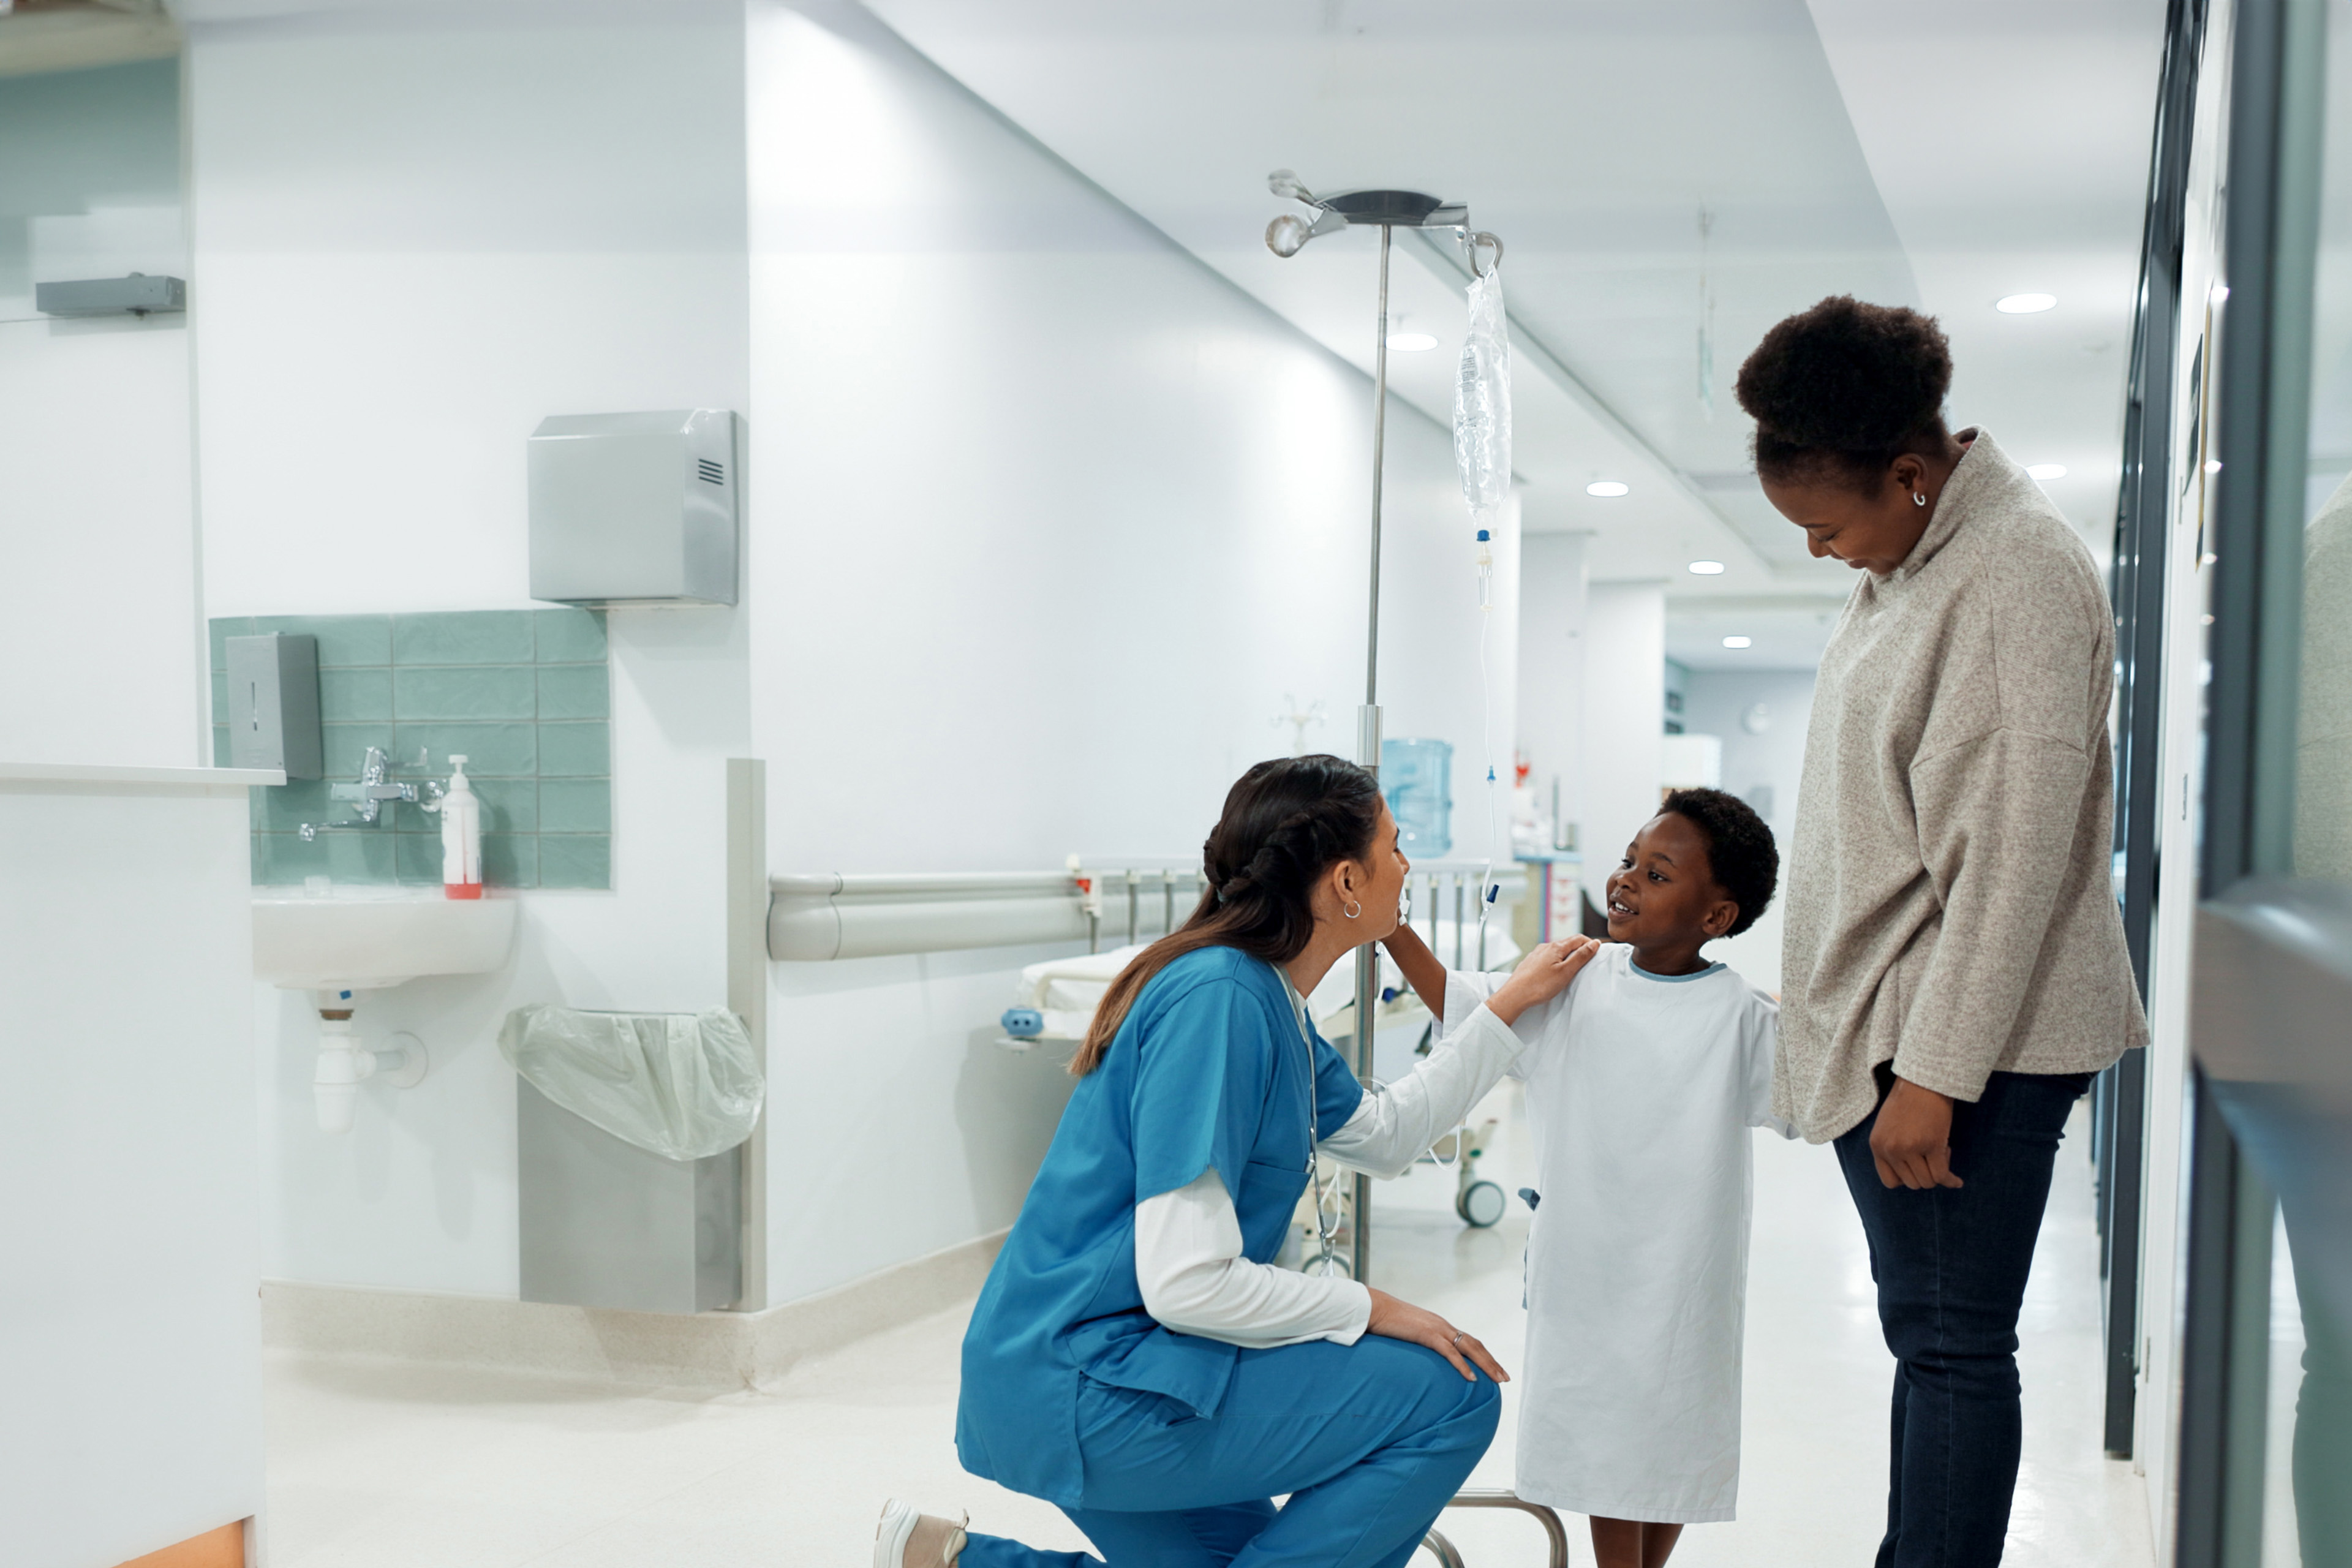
(1641, 1093)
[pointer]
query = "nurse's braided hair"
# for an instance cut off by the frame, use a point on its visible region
(1285, 823)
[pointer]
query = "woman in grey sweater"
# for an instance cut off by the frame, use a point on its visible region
(1954, 967)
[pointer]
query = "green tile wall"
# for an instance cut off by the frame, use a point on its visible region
(526, 696)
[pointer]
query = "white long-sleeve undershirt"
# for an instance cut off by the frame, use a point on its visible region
(1188, 1242)
(1188, 1259)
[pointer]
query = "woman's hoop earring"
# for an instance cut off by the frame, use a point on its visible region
(1918, 498)
(1352, 909)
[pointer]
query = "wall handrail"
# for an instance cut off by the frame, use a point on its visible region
(823, 916)
(970, 885)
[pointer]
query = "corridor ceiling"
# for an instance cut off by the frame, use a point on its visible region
(1906, 153)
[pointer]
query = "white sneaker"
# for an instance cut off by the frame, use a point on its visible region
(905, 1539)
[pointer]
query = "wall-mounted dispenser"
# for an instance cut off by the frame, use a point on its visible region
(635, 509)
(273, 703)
(137, 295)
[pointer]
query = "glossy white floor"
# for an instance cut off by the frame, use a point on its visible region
(378, 1465)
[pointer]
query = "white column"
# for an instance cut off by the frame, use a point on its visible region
(1551, 666)
(1625, 708)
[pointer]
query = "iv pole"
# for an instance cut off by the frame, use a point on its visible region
(1368, 753)
(1285, 237)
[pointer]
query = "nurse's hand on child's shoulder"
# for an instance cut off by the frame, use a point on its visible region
(1395, 1320)
(1540, 976)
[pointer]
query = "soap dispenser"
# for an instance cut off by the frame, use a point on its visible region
(461, 836)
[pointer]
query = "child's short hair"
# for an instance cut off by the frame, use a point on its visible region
(1740, 849)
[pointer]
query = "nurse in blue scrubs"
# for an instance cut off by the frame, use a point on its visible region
(1136, 1357)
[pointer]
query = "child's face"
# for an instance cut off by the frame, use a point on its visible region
(1666, 895)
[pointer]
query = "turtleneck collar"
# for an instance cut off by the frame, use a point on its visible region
(1980, 472)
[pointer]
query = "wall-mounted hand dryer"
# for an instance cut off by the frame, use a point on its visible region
(635, 509)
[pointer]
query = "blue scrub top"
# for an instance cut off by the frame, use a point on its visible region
(1208, 1070)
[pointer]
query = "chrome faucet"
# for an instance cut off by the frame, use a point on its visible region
(369, 795)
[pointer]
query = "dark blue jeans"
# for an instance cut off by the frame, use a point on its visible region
(1951, 1264)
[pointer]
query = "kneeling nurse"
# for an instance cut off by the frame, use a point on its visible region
(1135, 1357)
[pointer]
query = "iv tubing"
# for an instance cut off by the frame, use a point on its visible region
(1485, 744)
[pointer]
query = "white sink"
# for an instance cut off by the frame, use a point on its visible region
(362, 939)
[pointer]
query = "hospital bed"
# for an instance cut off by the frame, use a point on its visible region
(1055, 1002)
(833, 917)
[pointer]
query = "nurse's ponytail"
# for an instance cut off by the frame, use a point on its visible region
(1285, 823)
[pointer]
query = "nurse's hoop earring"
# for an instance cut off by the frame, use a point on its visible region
(1918, 498)
(1352, 909)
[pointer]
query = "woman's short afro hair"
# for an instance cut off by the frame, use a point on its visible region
(1846, 386)
(1740, 853)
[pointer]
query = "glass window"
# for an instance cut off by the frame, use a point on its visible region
(2306, 1497)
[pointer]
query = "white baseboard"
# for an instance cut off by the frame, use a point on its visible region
(724, 1351)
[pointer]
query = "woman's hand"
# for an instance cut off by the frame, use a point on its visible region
(1912, 1141)
(1395, 1320)
(1540, 976)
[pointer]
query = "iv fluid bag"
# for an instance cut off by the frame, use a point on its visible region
(1481, 401)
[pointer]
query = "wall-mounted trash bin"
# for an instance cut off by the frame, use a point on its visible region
(629, 1129)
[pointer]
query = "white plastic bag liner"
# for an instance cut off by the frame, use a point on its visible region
(682, 1085)
(1482, 402)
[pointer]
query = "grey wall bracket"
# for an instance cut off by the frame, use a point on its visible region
(137, 295)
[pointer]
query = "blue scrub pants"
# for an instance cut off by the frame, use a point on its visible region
(1369, 1439)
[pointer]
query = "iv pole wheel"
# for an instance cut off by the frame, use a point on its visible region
(1480, 1206)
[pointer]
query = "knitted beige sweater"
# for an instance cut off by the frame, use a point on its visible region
(1949, 904)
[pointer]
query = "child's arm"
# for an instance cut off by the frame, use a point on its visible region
(1422, 969)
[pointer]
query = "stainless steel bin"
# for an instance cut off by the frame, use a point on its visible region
(605, 1224)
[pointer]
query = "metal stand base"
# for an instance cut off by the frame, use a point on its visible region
(1555, 1533)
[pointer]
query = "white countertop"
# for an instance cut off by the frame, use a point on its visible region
(70, 774)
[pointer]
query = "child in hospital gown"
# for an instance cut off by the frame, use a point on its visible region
(1643, 1079)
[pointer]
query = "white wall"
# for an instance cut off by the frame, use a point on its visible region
(129, 1330)
(1714, 703)
(1624, 721)
(104, 661)
(1044, 520)
(1551, 666)
(1050, 518)
(412, 239)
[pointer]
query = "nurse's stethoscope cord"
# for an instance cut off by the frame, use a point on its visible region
(1327, 1224)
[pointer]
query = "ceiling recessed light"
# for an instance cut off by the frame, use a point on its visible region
(1608, 487)
(1411, 342)
(2047, 471)
(2025, 304)
(1706, 568)
(1739, 642)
